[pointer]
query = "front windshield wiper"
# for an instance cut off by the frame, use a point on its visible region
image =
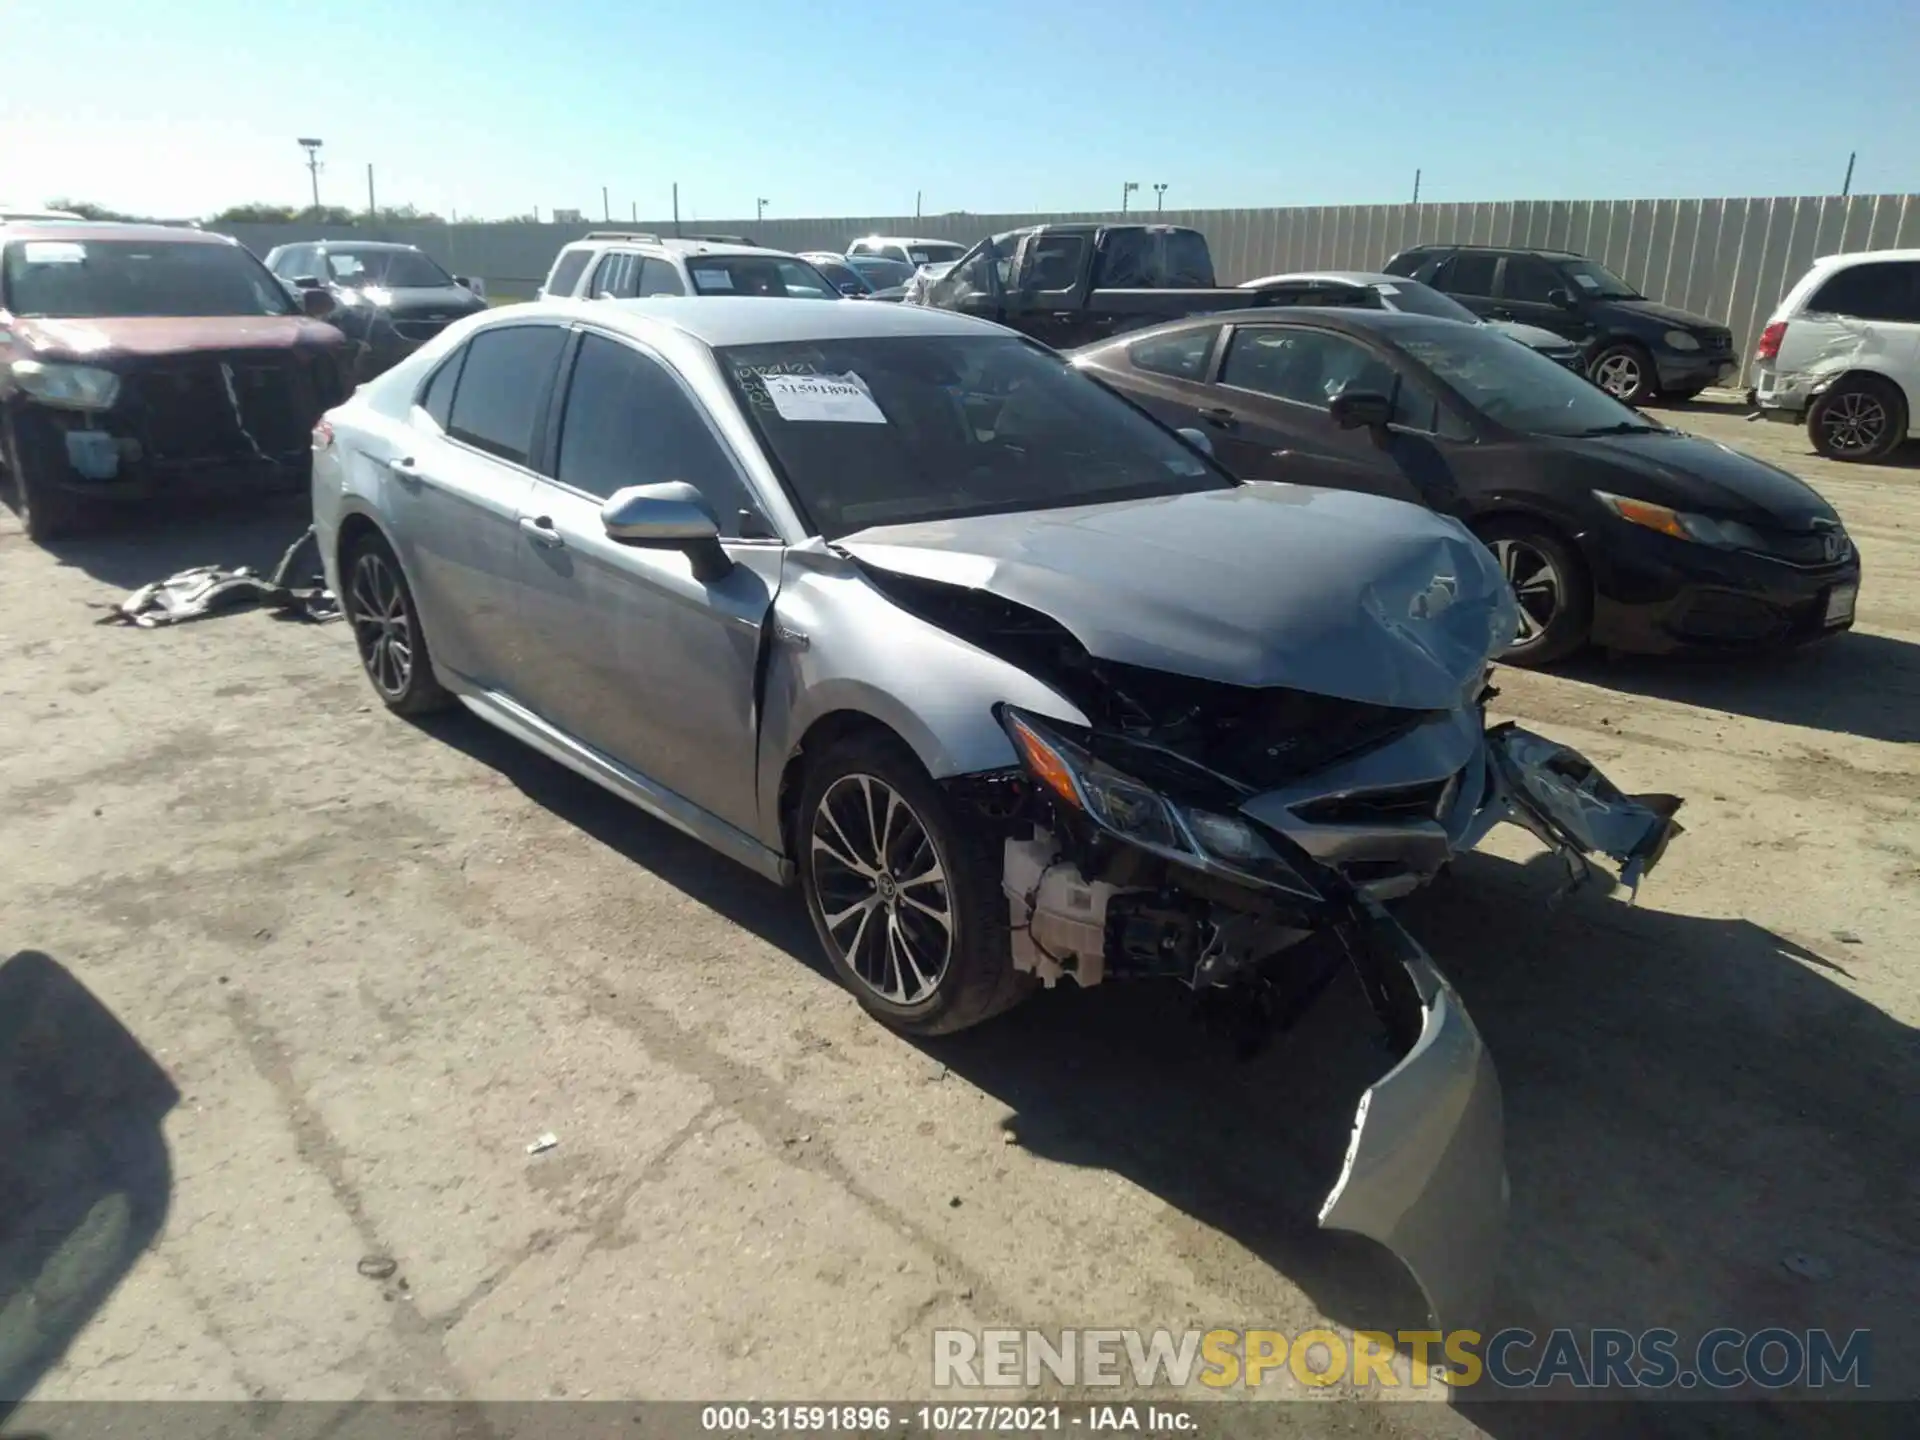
(1624, 427)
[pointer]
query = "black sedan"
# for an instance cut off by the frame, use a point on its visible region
(1613, 529)
(389, 299)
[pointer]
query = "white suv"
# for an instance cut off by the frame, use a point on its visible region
(1842, 354)
(619, 265)
(907, 250)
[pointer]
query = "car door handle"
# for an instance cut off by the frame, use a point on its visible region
(406, 471)
(539, 529)
(1220, 416)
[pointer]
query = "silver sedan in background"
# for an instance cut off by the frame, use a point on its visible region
(1015, 683)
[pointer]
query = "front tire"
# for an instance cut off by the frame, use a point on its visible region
(386, 629)
(1625, 371)
(1551, 584)
(904, 897)
(46, 512)
(1862, 417)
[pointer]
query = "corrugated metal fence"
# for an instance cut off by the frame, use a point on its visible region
(1728, 259)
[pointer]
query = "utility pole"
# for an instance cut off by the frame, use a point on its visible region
(606, 206)
(1416, 187)
(1159, 196)
(312, 147)
(372, 209)
(916, 204)
(636, 212)
(1846, 185)
(1125, 190)
(759, 210)
(676, 207)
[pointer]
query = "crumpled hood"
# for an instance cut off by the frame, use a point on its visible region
(1531, 336)
(1704, 476)
(1669, 314)
(149, 335)
(1342, 594)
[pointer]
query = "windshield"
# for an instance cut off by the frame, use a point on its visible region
(881, 273)
(395, 269)
(895, 430)
(1596, 282)
(766, 275)
(933, 252)
(96, 279)
(1515, 386)
(845, 277)
(1417, 299)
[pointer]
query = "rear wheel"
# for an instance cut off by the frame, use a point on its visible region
(386, 629)
(46, 512)
(905, 898)
(1861, 418)
(1624, 371)
(1550, 585)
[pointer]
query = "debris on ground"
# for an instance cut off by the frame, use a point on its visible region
(1808, 1267)
(1846, 937)
(378, 1267)
(544, 1143)
(211, 590)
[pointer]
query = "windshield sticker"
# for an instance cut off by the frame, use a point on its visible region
(841, 399)
(1586, 282)
(53, 252)
(713, 279)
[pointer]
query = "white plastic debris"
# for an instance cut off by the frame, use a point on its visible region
(545, 1142)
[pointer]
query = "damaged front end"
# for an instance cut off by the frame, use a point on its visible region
(1191, 876)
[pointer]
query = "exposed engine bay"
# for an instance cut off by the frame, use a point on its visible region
(1199, 832)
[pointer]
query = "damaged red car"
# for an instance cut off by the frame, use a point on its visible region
(152, 361)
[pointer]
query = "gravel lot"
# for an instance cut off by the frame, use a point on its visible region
(371, 962)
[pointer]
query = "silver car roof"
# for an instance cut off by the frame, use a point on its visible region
(716, 320)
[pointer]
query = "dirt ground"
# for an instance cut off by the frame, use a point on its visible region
(335, 973)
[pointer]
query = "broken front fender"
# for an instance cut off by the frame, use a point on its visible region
(1563, 798)
(1425, 1173)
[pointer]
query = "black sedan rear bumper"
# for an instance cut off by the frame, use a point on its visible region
(1657, 595)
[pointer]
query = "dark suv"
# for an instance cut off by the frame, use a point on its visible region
(1636, 348)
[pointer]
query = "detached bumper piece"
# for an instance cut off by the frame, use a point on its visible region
(1425, 1173)
(210, 590)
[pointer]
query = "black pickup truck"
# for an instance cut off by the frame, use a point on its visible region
(1070, 285)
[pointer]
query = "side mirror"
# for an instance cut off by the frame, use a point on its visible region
(316, 304)
(1361, 410)
(307, 282)
(673, 515)
(1563, 298)
(1198, 439)
(464, 282)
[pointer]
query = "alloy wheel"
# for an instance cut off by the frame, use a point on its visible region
(1537, 586)
(1854, 422)
(1618, 375)
(882, 891)
(378, 609)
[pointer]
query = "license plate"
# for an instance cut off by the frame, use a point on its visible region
(1840, 602)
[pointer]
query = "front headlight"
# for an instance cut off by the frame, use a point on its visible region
(1722, 534)
(1680, 340)
(72, 387)
(1140, 815)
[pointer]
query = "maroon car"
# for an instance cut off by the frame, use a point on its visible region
(149, 361)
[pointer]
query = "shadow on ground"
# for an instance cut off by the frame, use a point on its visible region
(1852, 684)
(85, 1180)
(1703, 1126)
(131, 545)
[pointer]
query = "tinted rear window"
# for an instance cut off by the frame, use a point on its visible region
(503, 385)
(1883, 290)
(566, 273)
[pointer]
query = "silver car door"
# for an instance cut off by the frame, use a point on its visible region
(639, 652)
(455, 500)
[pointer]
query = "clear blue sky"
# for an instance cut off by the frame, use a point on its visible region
(848, 108)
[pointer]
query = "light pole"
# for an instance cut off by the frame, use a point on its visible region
(1126, 190)
(1159, 195)
(312, 147)
(760, 209)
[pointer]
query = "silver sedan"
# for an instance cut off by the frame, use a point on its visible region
(1015, 683)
